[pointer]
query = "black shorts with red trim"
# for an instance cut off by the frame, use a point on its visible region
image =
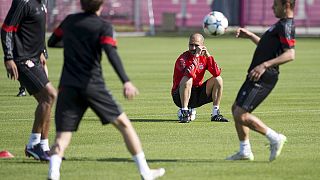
(198, 97)
(73, 102)
(32, 75)
(251, 93)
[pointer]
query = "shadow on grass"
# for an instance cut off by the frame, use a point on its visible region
(126, 160)
(22, 161)
(153, 120)
(139, 120)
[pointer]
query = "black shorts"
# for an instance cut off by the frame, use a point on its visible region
(198, 97)
(73, 102)
(251, 94)
(32, 75)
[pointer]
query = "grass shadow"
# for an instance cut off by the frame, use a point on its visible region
(153, 120)
(128, 160)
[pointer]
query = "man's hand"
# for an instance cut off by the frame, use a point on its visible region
(12, 70)
(43, 59)
(243, 33)
(202, 51)
(129, 90)
(257, 72)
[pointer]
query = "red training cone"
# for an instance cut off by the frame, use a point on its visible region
(6, 154)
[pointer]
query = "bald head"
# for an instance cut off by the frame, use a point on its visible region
(196, 38)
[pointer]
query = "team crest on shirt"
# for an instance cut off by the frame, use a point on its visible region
(201, 66)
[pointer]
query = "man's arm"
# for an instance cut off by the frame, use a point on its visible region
(287, 56)
(8, 31)
(116, 63)
(109, 44)
(244, 33)
(55, 39)
(10, 27)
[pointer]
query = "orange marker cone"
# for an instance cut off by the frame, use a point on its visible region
(6, 154)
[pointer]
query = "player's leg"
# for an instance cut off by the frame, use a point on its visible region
(71, 105)
(103, 104)
(184, 116)
(33, 77)
(214, 88)
(240, 117)
(245, 120)
(61, 143)
(45, 99)
(249, 97)
(131, 139)
(185, 87)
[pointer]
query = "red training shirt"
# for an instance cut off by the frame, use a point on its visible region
(193, 67)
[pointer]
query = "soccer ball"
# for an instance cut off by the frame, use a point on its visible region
(215, 23)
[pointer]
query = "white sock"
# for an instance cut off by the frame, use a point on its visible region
(142, 164)
(272, 136)
(245, 147)
(34, 140)
(54, 167)
(185, 108)
(45, 144)
(215, 110)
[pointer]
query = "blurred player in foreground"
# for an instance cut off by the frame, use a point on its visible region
(274, 48)
(82, 85)
(188, 90)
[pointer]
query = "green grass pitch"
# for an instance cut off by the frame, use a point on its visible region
(187, 151)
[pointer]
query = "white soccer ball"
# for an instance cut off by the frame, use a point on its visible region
(215, 23)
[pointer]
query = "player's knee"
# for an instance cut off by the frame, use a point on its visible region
(238, 114)
(51, 95)
(186, 82)
(122, 122)
(218, 81)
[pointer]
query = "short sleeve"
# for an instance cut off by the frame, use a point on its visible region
(107, 36)
(287, 34)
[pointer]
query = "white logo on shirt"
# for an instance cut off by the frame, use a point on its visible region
(44, 8)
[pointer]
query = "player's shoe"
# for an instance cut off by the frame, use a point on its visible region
(193, 114)
(37, 153)
(240, 156)
(219, 118)
(184, 116)
(275, 148)
(22, 92)
(154, 174)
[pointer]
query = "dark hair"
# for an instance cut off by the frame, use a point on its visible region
(292, 3)
(91, 6)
